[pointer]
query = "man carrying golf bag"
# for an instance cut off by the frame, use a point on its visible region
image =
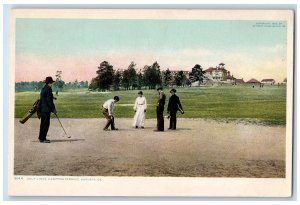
(46, 106)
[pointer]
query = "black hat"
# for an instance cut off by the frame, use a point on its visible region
(48, 80)
(173, 90)
(160, 88)
(116, 98)
(140, 92)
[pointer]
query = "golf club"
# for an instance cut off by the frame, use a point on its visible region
(62, 126)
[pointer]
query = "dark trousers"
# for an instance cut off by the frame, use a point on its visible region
(173, 120)
(110, 119)
(45, 123)
(160, 118)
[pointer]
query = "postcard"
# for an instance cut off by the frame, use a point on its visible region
(151, 102)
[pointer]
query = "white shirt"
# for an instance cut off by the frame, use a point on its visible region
(109, 105)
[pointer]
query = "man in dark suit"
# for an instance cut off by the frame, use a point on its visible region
(173, 106)
(160, 110)
(46, 106)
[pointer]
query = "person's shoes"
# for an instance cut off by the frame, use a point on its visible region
(44, 141)
(21, 121)
(115, 129)
(142, 127)
(136, 127)
(158, 130)
(105, 129)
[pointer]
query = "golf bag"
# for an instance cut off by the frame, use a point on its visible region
(34, 109)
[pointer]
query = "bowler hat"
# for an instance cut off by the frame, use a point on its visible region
(173, 90)
(48, 80)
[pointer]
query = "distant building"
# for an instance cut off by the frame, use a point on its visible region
(239, 81)
(284, 81)
(268, 81)
(219, 74)
(253, 81)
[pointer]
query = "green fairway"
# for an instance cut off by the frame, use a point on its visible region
(266, 105)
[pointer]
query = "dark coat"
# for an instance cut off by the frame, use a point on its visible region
(46, 97)
(174, 104)
(161, 101)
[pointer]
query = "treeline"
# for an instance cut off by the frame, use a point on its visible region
(107, 78)
(57, 85)
(149, 77)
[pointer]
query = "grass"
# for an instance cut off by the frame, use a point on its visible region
(243, 103)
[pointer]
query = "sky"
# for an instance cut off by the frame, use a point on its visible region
(249, 49)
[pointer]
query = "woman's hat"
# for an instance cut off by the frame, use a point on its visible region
(48, 80)
(140, 92)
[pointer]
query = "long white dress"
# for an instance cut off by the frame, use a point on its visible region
(140, 106)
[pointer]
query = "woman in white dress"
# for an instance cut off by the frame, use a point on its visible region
(140, 107)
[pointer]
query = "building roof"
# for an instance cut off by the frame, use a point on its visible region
(231, 77)
(239, 80)
(267, 80)
(253, 81)
(210, 69)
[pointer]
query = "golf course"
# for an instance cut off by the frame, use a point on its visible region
(265, 105)
(226, 131)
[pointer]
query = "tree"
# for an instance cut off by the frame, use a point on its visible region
(117, 80)
(180, 79)
(59, 83)
(125, 79)
(93, 85)
(167, 77)
(76, 84)
(185, 81)
(29, 86)
(152, 76)
(105, 76)
(40, 85)
(196, 74)
(140, 81)
(132, 75)
(129, 78)
(82, 84)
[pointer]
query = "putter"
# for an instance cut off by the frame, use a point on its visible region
(62, 125)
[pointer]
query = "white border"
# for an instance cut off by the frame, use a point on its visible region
(156, 186)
